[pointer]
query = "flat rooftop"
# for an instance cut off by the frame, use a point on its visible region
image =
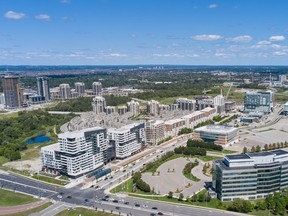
(213, 128)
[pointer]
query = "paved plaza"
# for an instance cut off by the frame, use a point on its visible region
(171, 181)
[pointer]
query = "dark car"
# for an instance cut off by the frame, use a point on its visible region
(111, 177)
(137, 205)
(155, 208)
(69, 197)
(104, 199)
(97, 186)
(160, 213)
(115, 201)
(152, 214)
(117, 207)
(86, 200)
(126, 203)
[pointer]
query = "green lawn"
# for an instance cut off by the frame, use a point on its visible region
(9, 198)
(50, 180)
(34, 210)
(83, 212)
(10, 115)
(214, 203)
(207, 158)
(3, 160)
(126, 186)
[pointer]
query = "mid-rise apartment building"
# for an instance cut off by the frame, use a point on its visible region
(80, 88)
(155, 131)
(153, 107)
(258, 101)
(77, 153)
(250, 176)
(186, 104)
(128, 139)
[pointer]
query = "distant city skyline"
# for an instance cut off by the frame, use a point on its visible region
(130, 32)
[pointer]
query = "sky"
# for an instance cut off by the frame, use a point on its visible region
(130, 32)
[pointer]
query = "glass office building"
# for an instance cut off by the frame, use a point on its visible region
(250, 176)
(218, 134)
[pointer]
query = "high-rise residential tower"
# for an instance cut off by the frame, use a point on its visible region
(65, 92)
(13, 91)
(43, 87)
(80, 88)
(97, 88)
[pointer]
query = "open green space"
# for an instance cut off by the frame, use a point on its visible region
(10, 198)
(84, 212)
(15, 131)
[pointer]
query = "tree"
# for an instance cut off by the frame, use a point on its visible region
(266, 147)
(245, 150)
(253, 149)
(243, 206)
(258, 148)
(181, 196)
(170, 195)
(201, 197)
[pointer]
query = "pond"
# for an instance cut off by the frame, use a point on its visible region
(38, 139)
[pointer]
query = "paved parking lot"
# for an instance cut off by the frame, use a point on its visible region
(171, 181)
(266, 135)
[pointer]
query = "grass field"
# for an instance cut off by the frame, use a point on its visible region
(50, 180)
(34, 210)
(83, 212)
(10, 115)
(9, 198)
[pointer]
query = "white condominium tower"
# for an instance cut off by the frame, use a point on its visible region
(128, 139)
(77, 152)
(97, 88)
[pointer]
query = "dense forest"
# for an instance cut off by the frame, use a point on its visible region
(15, 131)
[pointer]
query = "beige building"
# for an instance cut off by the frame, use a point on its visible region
(155, 131)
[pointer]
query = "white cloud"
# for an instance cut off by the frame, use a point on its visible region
(279, 53)
(213, 6)
(14, 15)
(264, 42)
(42, 17)
(277, 38)
(117, 55)
(242, 38)
(205, 37)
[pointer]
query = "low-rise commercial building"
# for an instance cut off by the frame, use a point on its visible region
(218, 134)
(250, 176)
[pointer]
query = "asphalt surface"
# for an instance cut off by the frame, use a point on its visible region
(93, 198)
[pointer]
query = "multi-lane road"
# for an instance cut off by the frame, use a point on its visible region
(95, 197)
